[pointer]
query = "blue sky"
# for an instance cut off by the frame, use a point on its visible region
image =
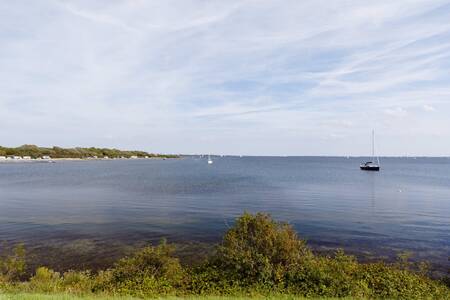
(228, 77)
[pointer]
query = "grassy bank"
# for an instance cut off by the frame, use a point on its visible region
(258, 256)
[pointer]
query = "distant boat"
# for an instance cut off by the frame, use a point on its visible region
(371, 165)
(210, 162)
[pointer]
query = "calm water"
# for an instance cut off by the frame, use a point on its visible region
(80, 205)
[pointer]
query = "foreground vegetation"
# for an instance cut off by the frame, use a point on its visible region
(109, 297)
(57, 152)
(257, 257)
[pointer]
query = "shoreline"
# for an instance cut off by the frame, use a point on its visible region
(253, 249)
(85, 252)
(80, 159)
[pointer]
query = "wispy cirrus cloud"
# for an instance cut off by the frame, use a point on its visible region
(227, 76)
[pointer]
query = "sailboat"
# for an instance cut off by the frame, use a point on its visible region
(371, 165)
(210, 162)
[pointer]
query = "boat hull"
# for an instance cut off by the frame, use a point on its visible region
(370, 168)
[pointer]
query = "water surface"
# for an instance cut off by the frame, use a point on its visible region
(80, 205)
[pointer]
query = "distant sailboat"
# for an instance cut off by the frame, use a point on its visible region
(371, 165)
(210, 162)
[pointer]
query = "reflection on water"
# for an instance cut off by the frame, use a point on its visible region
(104, 207)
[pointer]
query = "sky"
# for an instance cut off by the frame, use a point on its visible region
(246, 77)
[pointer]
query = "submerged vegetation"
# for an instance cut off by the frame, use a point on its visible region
(57, 152)
(257, 257)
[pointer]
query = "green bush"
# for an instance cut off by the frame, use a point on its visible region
(389, 282)
(324, 276)
(151, 271)
(46, 280)
(12, 263)
(103, 281)
(77, 282)
(209, 279)
(258, 250)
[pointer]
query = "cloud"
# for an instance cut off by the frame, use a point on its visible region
(396, 112)
(427, 107)
(251, 76)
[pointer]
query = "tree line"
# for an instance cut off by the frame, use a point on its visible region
(35, 152)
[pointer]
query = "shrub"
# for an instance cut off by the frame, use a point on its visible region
(326, 276)
(343, 276)
(260, 251)
(103, 281)
(77, 282)
(387, 281)
(209, 279)
(12, 263)
(151, 271)
(45, 280)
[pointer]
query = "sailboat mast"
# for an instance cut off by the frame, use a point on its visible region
(373, 148)
(373, 145)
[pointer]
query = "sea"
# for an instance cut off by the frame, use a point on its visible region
(73, 214)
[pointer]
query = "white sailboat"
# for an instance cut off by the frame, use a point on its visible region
(371, 165)
(210, 161)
